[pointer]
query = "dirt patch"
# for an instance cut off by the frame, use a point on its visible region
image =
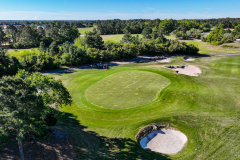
(58, 146)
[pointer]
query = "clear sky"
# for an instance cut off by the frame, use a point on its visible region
(117, 9)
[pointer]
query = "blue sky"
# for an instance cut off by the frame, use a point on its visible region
(121, 9)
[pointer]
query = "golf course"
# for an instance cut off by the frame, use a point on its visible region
(110, 106)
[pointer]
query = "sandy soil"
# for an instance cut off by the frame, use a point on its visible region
(165, 141)
(189, 70)
(166, 60)
(189, 59)
(58, 146)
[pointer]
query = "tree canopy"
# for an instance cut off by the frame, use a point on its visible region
(28, 105)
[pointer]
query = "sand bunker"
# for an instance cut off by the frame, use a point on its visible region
(166, 60)
(189, 70)
(188, 59)
(165, 141)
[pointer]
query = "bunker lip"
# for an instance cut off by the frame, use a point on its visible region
(189, 70)
(166, 141)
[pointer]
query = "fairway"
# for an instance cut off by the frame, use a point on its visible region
(116, 37)
(126, 89)
(205, 108)
(228, 65)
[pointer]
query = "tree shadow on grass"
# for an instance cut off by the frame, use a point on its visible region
(90, 145)
(56, 147)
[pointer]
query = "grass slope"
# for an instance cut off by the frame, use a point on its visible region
(126, 89)
(205, 108)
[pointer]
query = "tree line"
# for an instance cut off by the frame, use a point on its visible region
(89, 49)
(25, 36)
(59, 23)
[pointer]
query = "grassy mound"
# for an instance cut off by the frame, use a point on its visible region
(127, 89)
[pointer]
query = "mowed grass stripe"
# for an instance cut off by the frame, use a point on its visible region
(127, 89)
(228, 65)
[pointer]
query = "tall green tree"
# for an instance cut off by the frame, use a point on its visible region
(27, 104)
(127, 38)
(147, 32)
(12, 31)
(2, 36)
(20, 109)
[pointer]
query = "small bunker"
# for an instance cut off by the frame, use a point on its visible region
(162, 139)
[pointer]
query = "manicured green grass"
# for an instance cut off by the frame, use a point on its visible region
(205, 108)
(83, 30)
(116, 37)
(228, 65)
(126, 89)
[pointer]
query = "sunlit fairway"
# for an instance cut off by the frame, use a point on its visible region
(83, 30)
(205, 108)
(116, 37)
(228, 65)
(126, 89)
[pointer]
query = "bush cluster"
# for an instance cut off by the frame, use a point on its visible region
(219, 36)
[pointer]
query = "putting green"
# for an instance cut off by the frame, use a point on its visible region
(126, 89)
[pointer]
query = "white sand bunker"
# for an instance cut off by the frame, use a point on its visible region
(189, 70)
(166, 60)
(165, 141)
(188, 58)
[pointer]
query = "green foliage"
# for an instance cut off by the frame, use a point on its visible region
(8, 65)
(53, 91)
(147, 33)
(27, 105)
(220, 36)
(21, 109)
(42, 47)
(127, 38)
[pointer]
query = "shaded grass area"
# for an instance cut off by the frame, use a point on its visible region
(205, 108)
(126, 89)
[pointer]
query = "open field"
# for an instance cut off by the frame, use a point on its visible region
(116, 37)
(205, 108)
(83, 30)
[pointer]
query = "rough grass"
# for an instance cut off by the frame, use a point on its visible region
(126, 89)
(205, 108)
(207, 48)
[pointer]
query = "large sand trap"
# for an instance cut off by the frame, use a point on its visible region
(189, 70)
(165, 141)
